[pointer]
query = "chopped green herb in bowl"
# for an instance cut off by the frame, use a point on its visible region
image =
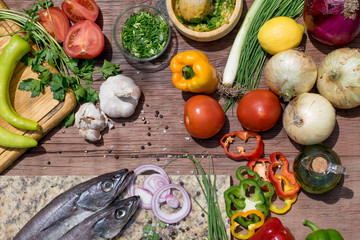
(141, 33)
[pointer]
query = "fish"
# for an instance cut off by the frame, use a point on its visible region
(106, 223)
(77, 203)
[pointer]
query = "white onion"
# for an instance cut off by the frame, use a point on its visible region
(309, 119)
(290, 73)
(339, 78)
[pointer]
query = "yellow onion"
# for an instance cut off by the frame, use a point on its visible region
(309, 119)
(290, 73)
(339, 78)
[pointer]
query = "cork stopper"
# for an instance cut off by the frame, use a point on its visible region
(319, 165)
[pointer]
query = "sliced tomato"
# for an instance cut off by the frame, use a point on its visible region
(55, 22)
(84, 40)
(79, 10)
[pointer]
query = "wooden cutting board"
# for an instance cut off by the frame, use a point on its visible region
(43, 109)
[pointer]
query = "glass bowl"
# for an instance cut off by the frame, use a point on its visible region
(119, 25)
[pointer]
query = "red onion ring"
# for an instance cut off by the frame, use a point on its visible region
(140, 170)
(175, 217)
(145, 197)
(154, 182)
(172, 201)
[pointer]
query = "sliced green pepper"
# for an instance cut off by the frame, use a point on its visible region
(323, 234)
(264, 185)
(238, 199)
(9, 58)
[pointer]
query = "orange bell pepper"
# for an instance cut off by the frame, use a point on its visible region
(192, 72)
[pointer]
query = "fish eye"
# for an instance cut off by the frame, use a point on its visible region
(119, 214)
(107, 186)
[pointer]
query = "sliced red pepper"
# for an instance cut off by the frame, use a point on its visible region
(278, 160)
(260, 166)
(229, 138)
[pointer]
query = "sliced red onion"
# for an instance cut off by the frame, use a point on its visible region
(145, 197)
(172, 201)
(154, 182)
(142, 169)
(175, 217)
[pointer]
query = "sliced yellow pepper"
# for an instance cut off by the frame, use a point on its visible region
(192, 72)
(251, 228)
(287, 201)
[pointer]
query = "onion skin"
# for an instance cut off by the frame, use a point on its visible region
(329, 23)
(309, 119)
(339, 78)
(290, 73)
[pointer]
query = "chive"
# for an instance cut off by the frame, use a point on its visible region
(251, 57)
(216, 226)
(144, 34)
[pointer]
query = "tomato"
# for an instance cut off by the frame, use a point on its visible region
(203, 116)
(84, 40)
(58, 22)
(259, 110)
(79, 10)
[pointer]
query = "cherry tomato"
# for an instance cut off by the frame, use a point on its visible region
(79, 10)
(259, 110)
(58, 22)
(203, 116)
(84, 40)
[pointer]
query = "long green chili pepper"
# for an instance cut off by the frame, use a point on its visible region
(9, 58)
(13, 140)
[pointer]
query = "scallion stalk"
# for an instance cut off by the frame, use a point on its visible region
(246, 59)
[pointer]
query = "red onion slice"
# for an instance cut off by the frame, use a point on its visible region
(172, 201)
(154, 182)
(145, 197)
(141, 169)
(175, 217)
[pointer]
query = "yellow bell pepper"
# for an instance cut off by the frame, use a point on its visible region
(251, 228)
(287, 201)
(192, 72)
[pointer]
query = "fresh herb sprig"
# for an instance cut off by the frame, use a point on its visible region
(74, 74)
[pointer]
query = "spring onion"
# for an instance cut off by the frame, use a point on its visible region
(246, 59)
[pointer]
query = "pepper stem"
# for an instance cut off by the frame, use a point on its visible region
(311, 225)
(187, 72)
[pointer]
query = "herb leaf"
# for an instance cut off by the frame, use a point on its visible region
(110, 69)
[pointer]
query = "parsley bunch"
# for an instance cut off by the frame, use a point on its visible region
(74, 74)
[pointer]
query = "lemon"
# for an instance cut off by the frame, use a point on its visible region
(280, 34)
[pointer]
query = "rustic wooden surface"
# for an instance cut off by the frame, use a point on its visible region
(62, 151)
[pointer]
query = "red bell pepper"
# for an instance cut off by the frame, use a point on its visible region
(260, 166)
(273, 230)
(279, 161)
(229, 138)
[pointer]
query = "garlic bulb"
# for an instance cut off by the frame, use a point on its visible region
(119, 96)
(91, 121)
(290, 73)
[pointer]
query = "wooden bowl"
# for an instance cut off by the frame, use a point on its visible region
(205, 36)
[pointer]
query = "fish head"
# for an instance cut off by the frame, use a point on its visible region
(105, 190)
(120, 213)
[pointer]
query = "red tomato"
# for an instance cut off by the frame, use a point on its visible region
(259, 110)
(58, 22)
(84, 40)
(78, 10)
(203, 116)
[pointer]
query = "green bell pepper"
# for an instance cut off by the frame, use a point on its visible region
(237, 198)
(323, 234)
(264, 185)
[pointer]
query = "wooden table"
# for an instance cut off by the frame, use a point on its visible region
(64, 152)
